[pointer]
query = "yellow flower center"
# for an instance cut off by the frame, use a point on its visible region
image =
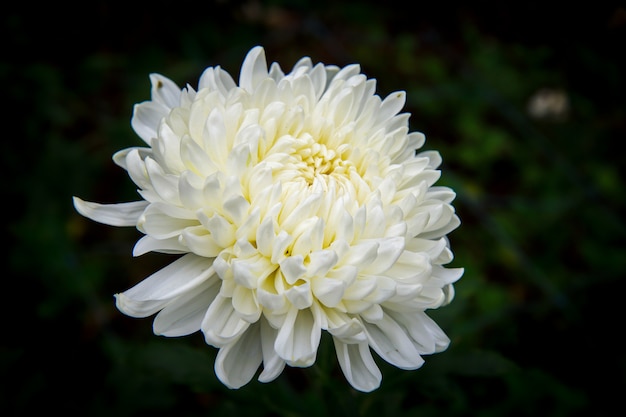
(315, 159)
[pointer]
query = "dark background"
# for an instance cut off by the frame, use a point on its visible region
(537, 321)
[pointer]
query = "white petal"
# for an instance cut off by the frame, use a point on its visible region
(318, 79)
(321, 262)
(406, 292)
(273, 364)
(345, 329)
(443, 276)
(389, 250)
(292, 268)
(222, 231)
(363, 286)
(376, 221)
(165, 91)
(298, 338)
(279, 248)
(195, 158)
(358, 365)
(374, 313)
(386, 288)
(184, 314)
(416, 141)
(392, 344)
(340, 223)
(237, 362)
(166, 185)
(391, 105)
(303, 208)
(448, 292)
(446, 223)
(146, 119)
(249, 272)
(434, 158)
(222, 324)
(119, 157)
(214, 137)
(346, 273)
(275, 72)
(300, 296)
(190, 190)
(411, 171)
(136, 168)
(361, 254)
(149, 244)
(199, 241)
(308, 236)
(428, 336)
(248, 139)
(341, 106)
(243, 249)
(369, 109)
(121, 214)
(253, 69)
(328, 291)
(154, 292)
(444, 194)
(414, 269)
(271, 300)
(157, 221)
(265, 237)
(346, 72)
(244, 301)
(236, 208)
(216, 79)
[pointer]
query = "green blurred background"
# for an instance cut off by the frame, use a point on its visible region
(525, 102)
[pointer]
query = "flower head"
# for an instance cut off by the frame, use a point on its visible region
(298, 204)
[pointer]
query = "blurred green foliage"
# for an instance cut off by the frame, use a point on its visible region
(524, 101)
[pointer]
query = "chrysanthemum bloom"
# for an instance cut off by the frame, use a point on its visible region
(299, 205)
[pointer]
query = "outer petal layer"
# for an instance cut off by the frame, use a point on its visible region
(155, 292)
(237, 362)
(358, 365)
(121, 214)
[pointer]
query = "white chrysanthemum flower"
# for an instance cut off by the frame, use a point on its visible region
(299, 205)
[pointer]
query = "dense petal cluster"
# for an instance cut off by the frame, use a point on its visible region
(299, 204)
